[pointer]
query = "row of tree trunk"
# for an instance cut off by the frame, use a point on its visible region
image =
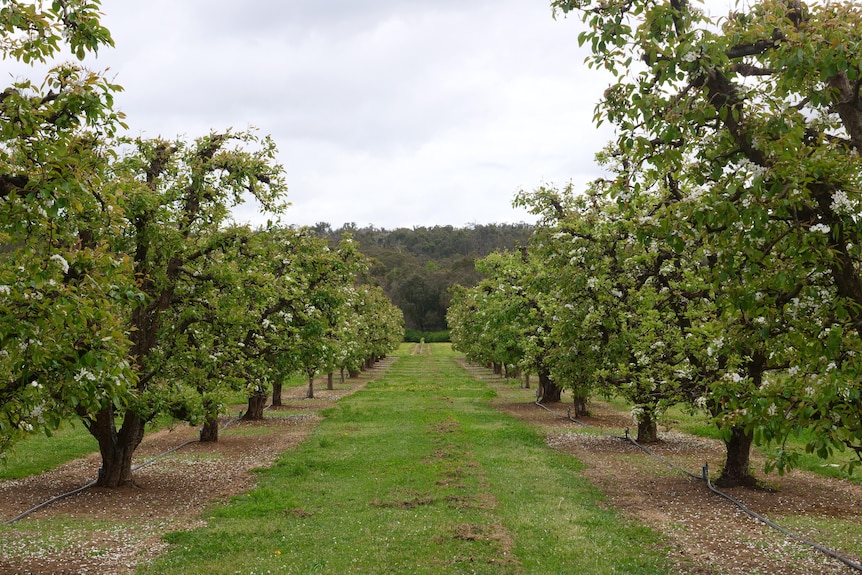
(737, 466)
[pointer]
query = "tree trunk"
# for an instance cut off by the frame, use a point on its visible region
(116, 447)
(549, 392)
(329, 381)
(526, 381)
(354, 373)
(647, 428)
(256, 405)
(737, 465)
(580, 406)
(276, 395)
(209, 432)
(310, 394)
(342, 374)
(498, 368)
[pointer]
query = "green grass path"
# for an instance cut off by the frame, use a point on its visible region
(418, 473)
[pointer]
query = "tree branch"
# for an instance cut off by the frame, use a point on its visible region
(756, 48)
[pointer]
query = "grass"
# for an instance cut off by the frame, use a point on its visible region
(681, 418)
(837, 534)
(418, 474)
(697, 424)
(39, 453)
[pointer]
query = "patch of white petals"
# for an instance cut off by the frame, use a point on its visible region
(61, 261)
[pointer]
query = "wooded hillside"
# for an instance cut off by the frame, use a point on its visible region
(417, 266)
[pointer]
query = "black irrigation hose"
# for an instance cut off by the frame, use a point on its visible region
(665, 460)
(93, 482)
(705, 477)
(764, 520)
(49, 502)
(567, 416)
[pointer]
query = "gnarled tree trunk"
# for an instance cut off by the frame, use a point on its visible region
(276, 394)
(647, 429)
(737, 465)
(116, 447)
(329, 381)
(256, 405)
(209, 431)
(579, 403)
(310, 394)
(548, 390)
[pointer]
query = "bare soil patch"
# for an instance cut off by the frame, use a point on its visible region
(109, 531)
(707, 534)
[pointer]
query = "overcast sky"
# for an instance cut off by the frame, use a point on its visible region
(386, 112)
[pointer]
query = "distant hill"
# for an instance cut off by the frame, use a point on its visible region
(417, 266)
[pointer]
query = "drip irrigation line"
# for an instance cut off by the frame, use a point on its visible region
(765, 521)
(705, 478)
(89, 484)
(568, 415)
(661, 458)
(49, 502)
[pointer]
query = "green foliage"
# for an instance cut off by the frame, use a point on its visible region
(417, 267)
(125, 291)
(738, 152)
(28, 33)
(64, 294)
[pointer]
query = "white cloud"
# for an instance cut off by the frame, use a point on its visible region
(385, 112)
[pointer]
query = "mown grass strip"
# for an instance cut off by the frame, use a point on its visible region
(418, 474)
(39, 453)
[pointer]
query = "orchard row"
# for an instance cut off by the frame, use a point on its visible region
(126, 291)
(718, 262)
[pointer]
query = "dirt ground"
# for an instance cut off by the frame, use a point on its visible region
(707, 534)
(110, 531)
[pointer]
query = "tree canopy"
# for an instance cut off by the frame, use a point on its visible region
(416, 267)
(718, 263)
(126, 291)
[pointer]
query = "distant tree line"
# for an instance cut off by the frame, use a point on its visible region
(416, 267)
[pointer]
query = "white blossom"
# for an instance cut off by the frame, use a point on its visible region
(61, 261)
(85, 373)
(820, 228)
(841, 204)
